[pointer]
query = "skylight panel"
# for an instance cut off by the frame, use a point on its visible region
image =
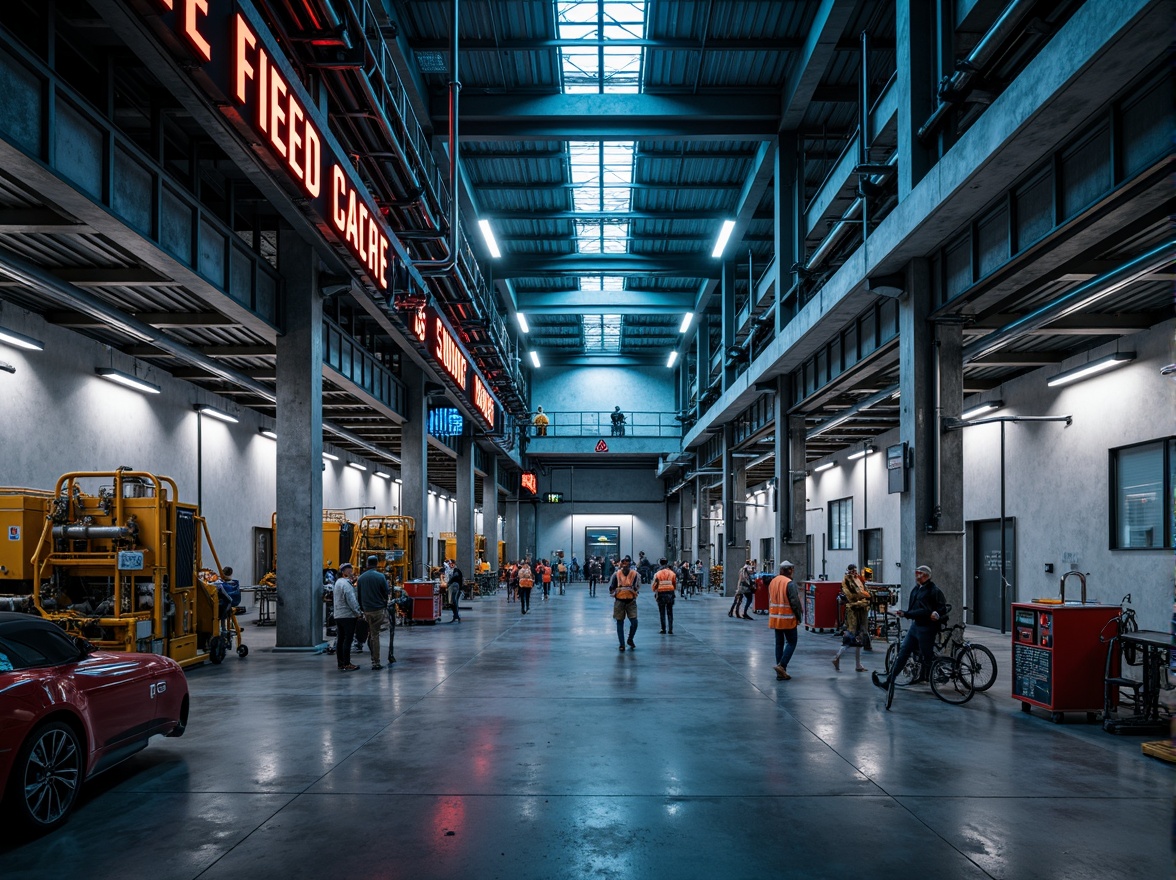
(598, 66)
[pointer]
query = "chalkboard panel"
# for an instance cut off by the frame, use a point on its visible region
(1032, 676)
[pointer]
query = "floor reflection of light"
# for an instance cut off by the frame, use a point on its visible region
(449, 815)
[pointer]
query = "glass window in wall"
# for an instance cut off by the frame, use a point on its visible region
(841, 524)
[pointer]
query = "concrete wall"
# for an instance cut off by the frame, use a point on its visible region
(1056, 480)
(59, 417)
(599, 389)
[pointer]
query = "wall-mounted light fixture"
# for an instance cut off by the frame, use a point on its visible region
(829, 465)
(398, 481)
(268, 432)
(1097, 366)
(381, 475)
(11, 337)
(327, 456)
(356, 465)
(127, 380)
(981, 408)
(862, 453)
(213, 413)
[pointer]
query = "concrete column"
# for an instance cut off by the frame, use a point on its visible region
(300, 450)
(464, 501)
(797, 545)
(686, 523)
(703, 352)
(490, 511)
(915, 34)
(728, 317)
(787, 223)
(919, 428)
(414, 463)
(511, 530)
(734, 512)
(701, 528)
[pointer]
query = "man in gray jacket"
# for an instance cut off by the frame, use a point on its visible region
(347, 612)
(372, 591)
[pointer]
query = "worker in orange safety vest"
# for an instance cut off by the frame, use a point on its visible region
(623, 587)
(784, 612)
(665, 584)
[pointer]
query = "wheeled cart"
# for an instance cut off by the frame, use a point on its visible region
(762, 580)
(1059, 663)
(426, 600)
(822, 614)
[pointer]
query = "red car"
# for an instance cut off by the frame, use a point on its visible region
(68, 712)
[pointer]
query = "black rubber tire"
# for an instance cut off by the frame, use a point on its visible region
(951, 681)
(1057, 717)
(47, 777)
(983, 665)
(179, 729)
(216, 649)
(891, 653)
(242, 651)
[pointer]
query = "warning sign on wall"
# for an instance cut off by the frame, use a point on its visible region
(601, 446)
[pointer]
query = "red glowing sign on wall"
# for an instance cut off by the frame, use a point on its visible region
(529, 482)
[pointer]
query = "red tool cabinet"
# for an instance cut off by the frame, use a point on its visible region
(1059, 664)
(822, 614)
(426, 600)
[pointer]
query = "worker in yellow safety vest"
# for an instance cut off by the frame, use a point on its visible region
(623, 587)
(784, 612)
(665, 584)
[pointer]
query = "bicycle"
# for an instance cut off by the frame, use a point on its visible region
(952, 642)
(954, 668)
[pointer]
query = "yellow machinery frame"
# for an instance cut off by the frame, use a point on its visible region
(390, 538)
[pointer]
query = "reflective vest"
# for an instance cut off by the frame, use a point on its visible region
(626, 584)
(664, 581)
(780, 614)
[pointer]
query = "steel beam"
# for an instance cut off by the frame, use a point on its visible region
(805, 76)
(529, 266)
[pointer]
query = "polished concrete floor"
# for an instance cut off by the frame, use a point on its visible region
(529, 747)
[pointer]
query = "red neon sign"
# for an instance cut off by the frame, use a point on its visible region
(529, 482)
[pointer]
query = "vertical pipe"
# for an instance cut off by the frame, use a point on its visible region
(864, 125)
(440, 267)
(199, 463)
(936, 451)
(1004, 599)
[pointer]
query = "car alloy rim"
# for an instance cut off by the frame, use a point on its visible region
(51, 778)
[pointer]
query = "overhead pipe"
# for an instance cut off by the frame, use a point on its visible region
(431, 268)
(846, 222)
(1080, 297)
(953, 90)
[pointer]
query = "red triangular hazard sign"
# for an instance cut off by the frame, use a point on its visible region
(601, 446)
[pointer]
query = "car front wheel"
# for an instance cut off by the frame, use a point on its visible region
(47, 776)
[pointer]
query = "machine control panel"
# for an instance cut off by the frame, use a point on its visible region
(1045, 629)
(1025, 626)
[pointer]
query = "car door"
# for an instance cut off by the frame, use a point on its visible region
(118, 693)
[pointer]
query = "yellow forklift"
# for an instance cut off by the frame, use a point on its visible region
(118, 564)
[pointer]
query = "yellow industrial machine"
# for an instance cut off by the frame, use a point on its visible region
(117, 564)
(501, 554)
(390, 538)
(22, 517)
(338, 537)
(449, 539)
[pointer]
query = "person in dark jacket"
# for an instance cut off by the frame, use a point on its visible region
(455, 584)
(372, 591)
(926, 608)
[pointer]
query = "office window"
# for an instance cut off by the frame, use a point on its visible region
(1142, 478)
(841, 524)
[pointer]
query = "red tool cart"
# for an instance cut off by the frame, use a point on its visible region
(426, 601)
(822, 614)
(1059, 664)
(760, 602)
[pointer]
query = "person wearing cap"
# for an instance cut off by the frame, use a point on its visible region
(372, 592)
(784, 611)
(925, 610)
(665, 582)
(623, 587)
(347, 614)
(856, 600)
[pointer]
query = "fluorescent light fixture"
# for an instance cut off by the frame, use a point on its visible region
(356, 465)
(1078, 373)
(488, 234)
(213, 413)
(981, 408)
(686, 319)
(535, 358)
(398, 481)
(268, 432)
(329, 457)
(724, 235)
(111, 375)
(381, 475)
(673, 358)
(824, 467)
(432, 491)
(442, 497)
(523, 325)
(11, 337)
(862, 453)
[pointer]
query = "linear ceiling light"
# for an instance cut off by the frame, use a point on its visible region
(523, 325)
(686, 319)
(381, 475)
(724, 235)
(1078, 373)
(981, 408)
(535, 358)
(112, 375)
(11, 337)
(862, 453)
(212, 412)
(673, 358)
(488, 234)
(356, 465)
(329, 457)
(398, 481)
(268, 432)
(824, 467)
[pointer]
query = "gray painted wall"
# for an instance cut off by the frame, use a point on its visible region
(599, 389)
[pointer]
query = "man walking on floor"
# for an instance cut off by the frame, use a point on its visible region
(372, 592)
(623, 587)
(665, 583)
(784, 610)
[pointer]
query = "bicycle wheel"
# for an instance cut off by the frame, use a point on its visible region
(909, 672)
(981, 662)
(1131, 651)
(891, 653)
(951, 681)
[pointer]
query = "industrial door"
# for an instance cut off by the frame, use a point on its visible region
(984, 559)
(870, 542)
